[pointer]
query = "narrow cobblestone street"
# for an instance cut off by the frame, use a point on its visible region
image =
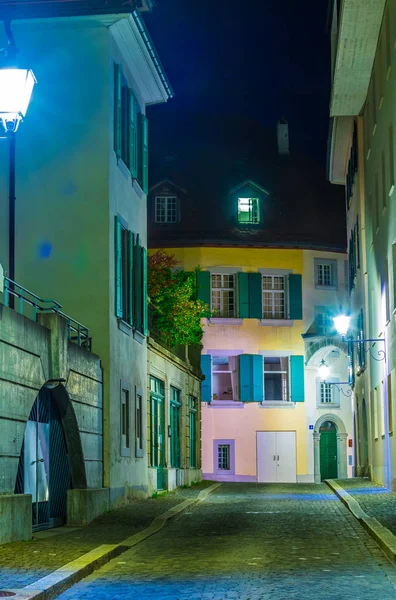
(251, 541)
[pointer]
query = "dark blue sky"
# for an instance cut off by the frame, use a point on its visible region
(258, 60)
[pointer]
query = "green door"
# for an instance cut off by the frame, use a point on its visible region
(157, 425)
(328, 451)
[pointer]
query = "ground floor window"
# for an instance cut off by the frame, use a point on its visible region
(157, 396)
(223, 457)
(175, 405)
(193, 431)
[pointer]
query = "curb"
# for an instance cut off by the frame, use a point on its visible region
(52, 585)
(384, 538)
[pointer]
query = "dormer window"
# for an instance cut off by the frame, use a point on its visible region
(166, 209)
(248, 211)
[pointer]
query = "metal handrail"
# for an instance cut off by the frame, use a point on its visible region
(76, 331)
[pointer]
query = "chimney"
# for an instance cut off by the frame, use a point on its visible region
(283, 137)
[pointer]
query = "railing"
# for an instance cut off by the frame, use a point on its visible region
(76, 332)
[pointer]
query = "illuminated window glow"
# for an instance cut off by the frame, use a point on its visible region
(248, 211)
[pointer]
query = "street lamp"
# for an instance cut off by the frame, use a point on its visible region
(342, 323)
(323, 370)
(16, 86)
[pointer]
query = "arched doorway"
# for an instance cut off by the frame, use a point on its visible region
(341, 437)
(328, 451)
(43, 469)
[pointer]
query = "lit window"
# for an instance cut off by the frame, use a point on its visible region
(274, 305)
(166, 209)
(223, 295)
(276, 378)
(248, 211)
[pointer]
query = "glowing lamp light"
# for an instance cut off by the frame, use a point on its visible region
(323, 370)
(16, 86)
(342, 323)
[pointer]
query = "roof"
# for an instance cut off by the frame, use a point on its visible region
(251, 183)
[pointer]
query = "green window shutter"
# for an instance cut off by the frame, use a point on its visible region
(203, 286)
(295, 297)
(137, 299)
(130, 277)
(118, 267)
(297, 378)
(243, 295)
(133, 135)
(251, 378)
(255, 296)
(117, 109)
(144, 292)
(206, 384)
(144, 152)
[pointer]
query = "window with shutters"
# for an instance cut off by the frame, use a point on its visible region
(139, 423)
(166, 209)
(326, 276)
(130, 278)
(249, 211)
(125, 419)
(274, 296)
(130, 130)
(223, 295)
(276, 379)
(225, 378)
(175, 405)
(192, 441)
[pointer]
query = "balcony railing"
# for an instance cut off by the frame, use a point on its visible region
(23, 298)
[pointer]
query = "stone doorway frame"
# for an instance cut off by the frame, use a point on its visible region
(342, 467)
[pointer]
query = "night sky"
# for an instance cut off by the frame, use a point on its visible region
(236, 67)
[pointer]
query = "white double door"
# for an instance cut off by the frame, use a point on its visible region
(276, 457)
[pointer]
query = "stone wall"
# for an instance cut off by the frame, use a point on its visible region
(33, 355)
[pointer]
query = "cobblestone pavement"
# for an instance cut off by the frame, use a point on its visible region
(23, 563)
(375, 500)
(250, 542)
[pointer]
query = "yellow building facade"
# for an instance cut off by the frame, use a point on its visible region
(264, 409)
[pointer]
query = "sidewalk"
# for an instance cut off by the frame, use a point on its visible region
(23, 563)
(375, 500)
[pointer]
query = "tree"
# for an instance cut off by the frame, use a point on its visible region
(175, 312)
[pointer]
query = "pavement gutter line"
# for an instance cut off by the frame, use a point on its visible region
(55, 583)
(384, 538)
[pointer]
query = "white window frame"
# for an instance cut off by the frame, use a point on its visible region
(332, 264)
(273, 293)
(253, 210)
(334, 391)
(325, 314)
(222, 290)
(166, 200)
(233, 370)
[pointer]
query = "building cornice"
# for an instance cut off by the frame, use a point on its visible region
(358, 31)
(140, 57)
(339, 147)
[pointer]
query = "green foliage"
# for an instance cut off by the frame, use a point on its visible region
(175, 312)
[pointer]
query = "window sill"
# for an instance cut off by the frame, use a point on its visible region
(124, 326)
(139, 454)
(225, 321)
(138, 336)
(125, 452)
(332, 288)
(123, 168)
(328, 405)
(276, 322)
(226, 404)
(137, 188)
(277, 404)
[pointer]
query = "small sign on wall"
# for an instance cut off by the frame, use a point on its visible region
(350, 460)
(311, 426)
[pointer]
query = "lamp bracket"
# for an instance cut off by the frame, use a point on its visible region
(338, 385)
(377, 354)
